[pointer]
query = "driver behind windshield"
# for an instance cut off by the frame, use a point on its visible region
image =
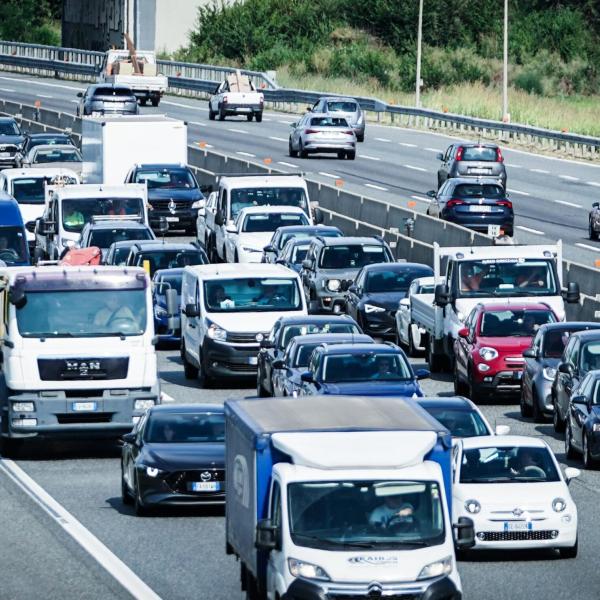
(113, 312)
(394, 511)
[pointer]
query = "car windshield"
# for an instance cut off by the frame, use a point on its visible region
(113, 91)
(481, 153)
(460, 423)
(82, 313)
(185, 428)
(103, 238)
(169, 259)
(268, 196)
(351, 257)
(355, 515)
(13, 245)
(167, 282)
(507, 464)
(514, 323)
(290, 331)
(9, 128)
(56, 155)
(285, 237)
(478, 190)
(393, 280)
(252, 294)
(555, 341)
(166, 178)
(271, 221)
(29, 190)
(342, 106)
(365, 366)
(328, 122)
(76, 212)
(507, 277)
(589, 359)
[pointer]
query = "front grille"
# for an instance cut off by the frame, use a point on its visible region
(516, 536)
(73, 418)
(240, 368)
(243, 337)
(88, 368)
(10, 148)
(370, 597)
(164, 204)
(178, 481)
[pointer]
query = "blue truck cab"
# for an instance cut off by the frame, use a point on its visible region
(341, 499)
(14, 250)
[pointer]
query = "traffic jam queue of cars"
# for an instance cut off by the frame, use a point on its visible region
(339, 455)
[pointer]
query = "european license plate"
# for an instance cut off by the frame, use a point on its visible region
(518, 526)
(244, 109)
(172, 219)
(253, 360)
(205, 486)
(85, 406)
(478, 171)
(480, 208)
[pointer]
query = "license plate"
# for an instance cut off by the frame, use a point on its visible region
(480, 208)
(172, 219)
(84, 406)
(244, 109)
(253, 360)
(518, 526)
(479, 171)
(205, 486)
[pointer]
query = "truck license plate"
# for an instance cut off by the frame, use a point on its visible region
(205, 486)
(84, 406)
(172, 219)
(518, 526)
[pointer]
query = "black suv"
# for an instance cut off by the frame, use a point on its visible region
(11, 143)
(331, 265)
(472, 160)
(173, 193)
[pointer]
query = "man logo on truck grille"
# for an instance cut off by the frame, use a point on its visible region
(172, 206)
(82, 367)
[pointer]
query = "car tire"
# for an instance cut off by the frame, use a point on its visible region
(569, 450)
(570, 552)
(303, 153)
(591, 233)
(125, 495)
(10, 448)
(258, 117)
(538, 415)
(293, 153)
(459, 386)
(221, 113)
(143, 101)
(588, 461)
(525, 408)
(211, 113)
(351, 155)
(360, 138)
(208, 382)
(141, 510)
(189, 370)
(155, 101)
(557, 422)
(249, 117)
(261, 391)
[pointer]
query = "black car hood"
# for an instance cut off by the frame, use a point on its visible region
(175, 193)
(387, 300)
(172, 457)
(10, 139)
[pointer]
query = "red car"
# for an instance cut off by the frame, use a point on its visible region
(489, 349)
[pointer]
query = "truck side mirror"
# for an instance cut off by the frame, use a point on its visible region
(572, 294)
(464, 533)
(192, 310)
(318, 216)
(267, 535)
(128, 438)
(442, 294)
(307, 377)
(266, 343)
(307, 264)
(270, 249)
(17, 297)
(30, 226)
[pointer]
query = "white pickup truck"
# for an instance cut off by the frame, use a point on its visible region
(236, 96)
(141, 76)
(475, 275)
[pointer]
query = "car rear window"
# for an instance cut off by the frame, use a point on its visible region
(108, 91)
(476, 190)
(328, 122)
(481, 153)
(342, 106)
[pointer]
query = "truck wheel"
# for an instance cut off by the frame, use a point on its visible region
(221, 113)
(155, 101)
(258, 117)
(435, 361)
(143, 101)
(250, 117)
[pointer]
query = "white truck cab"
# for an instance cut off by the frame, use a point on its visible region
(226, 311)
(68, 208)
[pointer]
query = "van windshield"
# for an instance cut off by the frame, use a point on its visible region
(29, 190)
(250, 294)
(82, 313)
(13, 245)
(76, 212)
(351, 515)
(271, 196)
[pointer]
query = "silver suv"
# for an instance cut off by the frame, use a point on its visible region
(348, 108)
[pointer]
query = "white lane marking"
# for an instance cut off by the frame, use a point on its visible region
(277, 139)
(246, 154)
(528, 229)
(236, 130)
(198, 123)
(594, 183)
(376, 187)
(421, 199)
(74, 101)
(587, 247)
(328, 175)
(44, 96)
(181, 105)
(6, 89)
(33, 82)
(432, 149)
(285, 122)
(540, 171)
(164, 397)
(513, 166)
(569, 177)
(85, 538)
(407, 145)
(287, 164)
(267, 119)
(414, 168)
(369, 157)
(519, 192)
(568, 203)
(382, 140)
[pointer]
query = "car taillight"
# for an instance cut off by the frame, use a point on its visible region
(459, 153)
(499, 157)
(309, 131)
(349, 132)
(506, 203)
(454, 202)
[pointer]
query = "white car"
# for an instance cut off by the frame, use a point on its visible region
(253, 229)
(408, 334)
(515, 493)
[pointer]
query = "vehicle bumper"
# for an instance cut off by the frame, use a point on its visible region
(329, 146)
(242, 109)
(10, 160)
(331, 302)
(379, 324)
(148, 93)
(157, 492)
(506, 382)
(114, 111)
(442, 588)
(229, 360)
(480, 223)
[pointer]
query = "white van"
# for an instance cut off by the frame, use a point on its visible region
(227, 309)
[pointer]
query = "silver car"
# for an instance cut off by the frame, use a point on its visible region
(348, 108)
(322, 133)
(55, 155)
(103, 99)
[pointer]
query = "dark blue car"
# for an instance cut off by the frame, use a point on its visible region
(361, 370)
(163, 280)
(283, 234)
(14, 250)
(293, 253)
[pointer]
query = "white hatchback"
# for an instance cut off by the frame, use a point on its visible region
(513, 489)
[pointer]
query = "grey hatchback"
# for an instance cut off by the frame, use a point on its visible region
(347, 108)
(472, 160)
(317, 132)
(104, 99)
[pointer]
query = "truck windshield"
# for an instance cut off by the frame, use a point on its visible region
(271, 196)
(82, 313)
(352, 257)
(13, 245)
(251, 294)
(347, 515)
(29, 190)
(76, 212)
(365, 366)
(505, 277)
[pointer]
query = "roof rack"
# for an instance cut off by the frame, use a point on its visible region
(103, 218)
(219, 175)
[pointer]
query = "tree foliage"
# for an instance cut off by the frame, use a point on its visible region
(30, 21)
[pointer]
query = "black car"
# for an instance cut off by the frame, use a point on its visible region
(173, 193)
(45, 139)
(285, 328)
(581, 355)
(107, 99)
(283, 234)
(582, 434)
(161, 255)
(541, 361)
(372, 300)
(473, 203)
(11, 143)
(118, 252)
(175, 456)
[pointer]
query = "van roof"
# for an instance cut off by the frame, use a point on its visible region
(9, 210)
(240, 270)
(255, 181)
(85, 190)
(52, 270)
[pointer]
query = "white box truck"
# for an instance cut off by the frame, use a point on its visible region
(111, 145)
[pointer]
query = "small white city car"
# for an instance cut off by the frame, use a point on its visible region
(513, 489)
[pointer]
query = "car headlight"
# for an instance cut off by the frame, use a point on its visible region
(371, 308)
(23, 406)
(549, 373)
(299, 568)
(558, 504)
(144, 404)
(488, 353)
(215, 332)
(472, 506)
(333, 285)
(436, 569)
(249, 249)
(596, 427)
(152, 471)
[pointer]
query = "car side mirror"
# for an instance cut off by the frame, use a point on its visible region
(307, 377)
(192, 310)
(571, 473)
(307, 264)
(80, 94)
(422, 373)
(318, 216)
(278, 364)
(309, 109)
(431, 194)
(565, 368)
(30, 226)
(129, 438)
(502, 429)
(572, 294)
(294, 124)
(352, 288)
(267, 535)
(439, 156)
(579, 399)
(442, 294)
(530, 353)
(464, 533)
(404, 303)
(266, 343)
(463, 332)
(270, 249)
(231, 228)
(596, 205)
